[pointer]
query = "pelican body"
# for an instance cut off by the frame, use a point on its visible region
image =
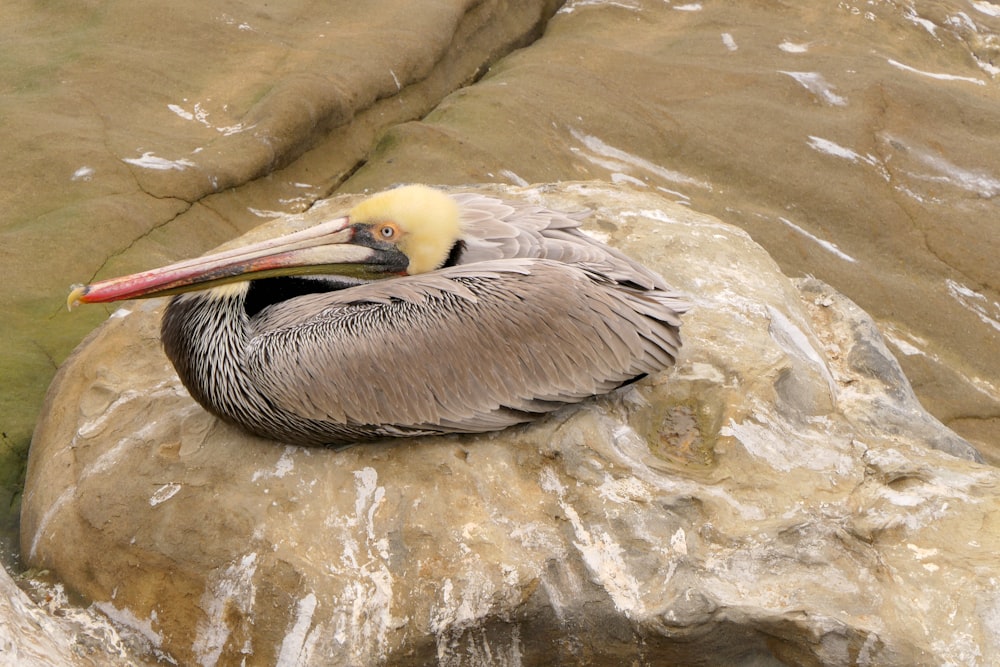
(416, 313)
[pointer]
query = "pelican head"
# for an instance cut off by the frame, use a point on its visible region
(408, 230)
(421, 221)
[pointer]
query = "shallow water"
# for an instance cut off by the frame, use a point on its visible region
(856, 141)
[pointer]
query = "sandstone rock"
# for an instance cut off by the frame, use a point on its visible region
(55, 633)
(27, 634)
(778, 497)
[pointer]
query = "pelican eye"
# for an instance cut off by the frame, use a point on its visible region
(387, 231)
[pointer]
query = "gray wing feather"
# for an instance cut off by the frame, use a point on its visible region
(498, 229)
(474, 347)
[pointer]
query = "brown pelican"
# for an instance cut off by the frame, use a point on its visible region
(416, 313)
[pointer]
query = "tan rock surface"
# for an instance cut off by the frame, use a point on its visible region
(774, 497)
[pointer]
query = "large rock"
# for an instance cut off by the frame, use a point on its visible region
(47, 629)
(29, 635)
(778, 496)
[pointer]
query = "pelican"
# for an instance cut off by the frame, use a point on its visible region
(418, 312)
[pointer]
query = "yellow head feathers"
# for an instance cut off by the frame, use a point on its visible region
(427, 219)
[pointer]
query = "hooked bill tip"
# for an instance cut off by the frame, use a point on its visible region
(75, 296)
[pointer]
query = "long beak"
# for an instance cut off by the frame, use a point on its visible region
(324, 248)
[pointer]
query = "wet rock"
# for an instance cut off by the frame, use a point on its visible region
(27, 634)
(776, 497)
(51, 632)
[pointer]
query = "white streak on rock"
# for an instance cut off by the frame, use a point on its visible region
(150, 161)
(678, 542)
(911, 15)
(978, 182)
(266, 214)
(625, 178)
(180, 111)
(988, 8)
(598, 149)
(794, 341)
(284, 465)
(622, 490)
(826, 245)
(128, 618)
(163, 494)
(234, 587)
(363, 617)
(513, 178)
(831, 148)
(902, 345)
(978, 304)
(90, 428)
(297, 644)
(817, 84)
(784, 452)
(52, 511)
(201, 114)
(602, 555)
(935, 75)
(82, 174)
(792, 47)
(570, 7)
